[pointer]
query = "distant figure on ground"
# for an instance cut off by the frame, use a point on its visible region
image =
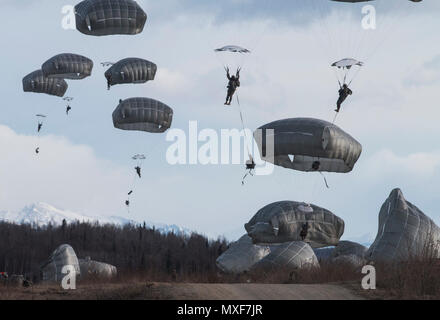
(127, 203)
(40, 125)
(234, 83)
(68, 109)
(304, 231)
(37, 151)
(344, 92)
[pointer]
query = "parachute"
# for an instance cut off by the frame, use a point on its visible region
(109, 17)
(347, 63)
(404, 232)
(344, 67)
(355, 28)
(142, 114)
(130, 70)
(232, 57)
(36, 82)
(139, 157)
(289, 257)
(96, 269)
(308, 145)
(241, 256)
(283, 221)
(233, 49)
(68, 66)
(52, 269)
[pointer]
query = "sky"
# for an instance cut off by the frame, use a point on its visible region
(85, 163)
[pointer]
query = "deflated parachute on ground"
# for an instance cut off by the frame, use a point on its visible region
(307, 144)
(143, 114)
(283, 221)
(52, 269)
(404, 232)
(131, 70)
(38, 83)
(68, 66)
(109, 17)
(241, 256)
(288, 256)
(91, 268)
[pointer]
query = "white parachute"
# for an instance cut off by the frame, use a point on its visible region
(233, 49)
(345, 70)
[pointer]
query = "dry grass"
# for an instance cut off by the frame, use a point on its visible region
(85, 291)
(416, 278)
(412, 279)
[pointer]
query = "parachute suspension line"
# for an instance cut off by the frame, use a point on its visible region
(244, 128)
(248, 171)
(324, 26)
(355, 76)
(334, 119)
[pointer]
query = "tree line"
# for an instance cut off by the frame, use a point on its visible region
(133, 249)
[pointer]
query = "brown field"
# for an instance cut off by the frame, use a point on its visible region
(182, 291)
(415, 279)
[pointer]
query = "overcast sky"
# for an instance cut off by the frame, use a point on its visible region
(85, 163)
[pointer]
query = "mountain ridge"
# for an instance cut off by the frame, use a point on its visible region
(43, 214)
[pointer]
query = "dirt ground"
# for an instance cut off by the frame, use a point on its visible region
(182, 291)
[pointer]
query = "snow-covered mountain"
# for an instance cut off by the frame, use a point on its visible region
(42, 214)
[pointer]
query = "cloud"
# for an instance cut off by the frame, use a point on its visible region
(427, 74)
(172, 82)
(63, 174)
(287, 75)
(417, 166)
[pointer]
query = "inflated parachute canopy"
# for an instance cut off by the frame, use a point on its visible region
(64, 255)
(38, 83)
(241, 256)
(68, 66)
(233, 49)
(143, 114)
(307, 144)
(131, 70)
(347, 63)
(109, 17)
(283, 221)
(404, 232)
(346, 248)
(288, 256)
